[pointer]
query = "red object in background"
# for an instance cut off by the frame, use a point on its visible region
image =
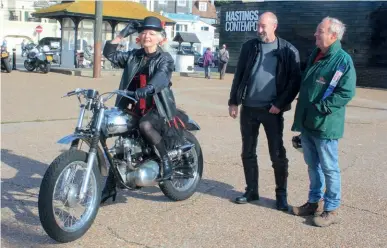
(163, 24)
(39, 29)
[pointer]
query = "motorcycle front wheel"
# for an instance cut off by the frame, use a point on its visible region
(181, 189)
(63, 216)
(28, 66)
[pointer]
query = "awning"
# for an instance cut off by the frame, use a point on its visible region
(112, 11)
(186, 37)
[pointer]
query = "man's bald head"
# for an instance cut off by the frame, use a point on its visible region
(269, 16)
(267, 24)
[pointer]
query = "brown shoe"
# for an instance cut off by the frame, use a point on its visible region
(327, 218)
(309, 209)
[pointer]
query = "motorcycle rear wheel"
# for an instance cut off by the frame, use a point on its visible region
(182, 189)
(61, 214)
(7, 65)
(46, 68)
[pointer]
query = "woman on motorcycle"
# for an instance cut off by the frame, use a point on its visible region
(147, 71)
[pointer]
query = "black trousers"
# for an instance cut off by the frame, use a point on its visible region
(273, 124)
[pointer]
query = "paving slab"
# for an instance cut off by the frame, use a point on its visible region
(34, 117)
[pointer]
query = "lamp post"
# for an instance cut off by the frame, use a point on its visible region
(97, 39)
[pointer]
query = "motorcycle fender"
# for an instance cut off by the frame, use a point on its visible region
(102, 161)
(193, 125)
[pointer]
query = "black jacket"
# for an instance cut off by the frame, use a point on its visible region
(160, 73)
(288, 77)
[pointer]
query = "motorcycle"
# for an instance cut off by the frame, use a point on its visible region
(5, 60)
(70, 192)
(39, 58)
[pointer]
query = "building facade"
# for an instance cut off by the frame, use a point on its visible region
(18, 24)
(365, 39)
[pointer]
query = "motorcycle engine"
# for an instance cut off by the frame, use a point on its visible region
(129, 156)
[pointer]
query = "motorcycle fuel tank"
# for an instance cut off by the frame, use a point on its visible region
(117, 121)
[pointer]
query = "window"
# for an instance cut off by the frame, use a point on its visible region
(205, 28)
(182, 3)
(181, 28)
(203, 6)
(162, 1)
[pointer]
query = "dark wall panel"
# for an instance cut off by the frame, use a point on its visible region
(365, 39)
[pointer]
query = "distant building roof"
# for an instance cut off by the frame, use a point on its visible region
(181, 17)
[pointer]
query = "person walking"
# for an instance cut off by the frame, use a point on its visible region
(208, 58)
(223, 60)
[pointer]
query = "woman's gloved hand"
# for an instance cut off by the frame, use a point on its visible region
(144, 92)
(131, 28)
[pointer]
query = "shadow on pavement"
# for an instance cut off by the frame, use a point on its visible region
(20, 193)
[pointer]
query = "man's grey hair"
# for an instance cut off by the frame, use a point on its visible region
(336, 26)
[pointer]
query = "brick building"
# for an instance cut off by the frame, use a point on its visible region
(365, 39)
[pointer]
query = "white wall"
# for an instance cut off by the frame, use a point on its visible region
(27, 29)
(206, 37)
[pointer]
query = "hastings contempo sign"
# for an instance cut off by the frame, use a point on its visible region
(241, 21)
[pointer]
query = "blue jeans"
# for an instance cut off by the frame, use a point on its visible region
(207, 71)
(321, 156)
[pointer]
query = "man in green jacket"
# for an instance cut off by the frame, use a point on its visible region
(328, 84)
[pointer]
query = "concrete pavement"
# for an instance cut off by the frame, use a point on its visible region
(34, 117)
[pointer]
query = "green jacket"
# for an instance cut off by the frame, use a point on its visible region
(324, 119)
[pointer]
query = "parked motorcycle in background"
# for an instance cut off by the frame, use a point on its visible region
(39, 58)
(5, 60)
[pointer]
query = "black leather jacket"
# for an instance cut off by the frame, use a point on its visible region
(288, 77)
(160, 73)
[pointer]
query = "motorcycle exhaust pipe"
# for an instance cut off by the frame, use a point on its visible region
(180, 151)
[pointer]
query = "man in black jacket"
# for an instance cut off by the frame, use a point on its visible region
(266, 81)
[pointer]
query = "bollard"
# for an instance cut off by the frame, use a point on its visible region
(14, 59)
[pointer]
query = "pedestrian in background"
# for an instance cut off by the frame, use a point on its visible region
(223, 60)
(208, 59)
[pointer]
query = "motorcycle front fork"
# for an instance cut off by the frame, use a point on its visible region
(92, 153)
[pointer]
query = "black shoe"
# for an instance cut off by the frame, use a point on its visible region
(282, 203)
(110, 187)
(166, 172)
(247, 197)
(107, 194)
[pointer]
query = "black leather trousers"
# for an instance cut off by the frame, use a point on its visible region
(273, 124)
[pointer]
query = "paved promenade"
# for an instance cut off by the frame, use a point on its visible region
(34, 117)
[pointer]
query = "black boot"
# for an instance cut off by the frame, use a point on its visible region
(110, 188)
(251, 176)
(248, 196)
(281, 179)
(166, 167)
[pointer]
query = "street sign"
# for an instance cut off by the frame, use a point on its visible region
(39, 29)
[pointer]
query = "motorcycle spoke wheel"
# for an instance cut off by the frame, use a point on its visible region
(183, 184)
(62, 214)
(69, 212)
(179, 189)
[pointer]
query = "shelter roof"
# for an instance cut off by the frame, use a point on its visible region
(112, 11)
(186, 37)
